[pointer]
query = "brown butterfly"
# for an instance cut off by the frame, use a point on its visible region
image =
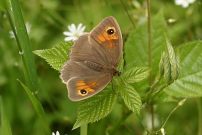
(93, 60)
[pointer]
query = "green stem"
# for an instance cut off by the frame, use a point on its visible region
(199, 103)
(149, 38)
(149, 56)
(84, 129)
(180, 103)
(152, 116)
(5, 125)
(151, 93)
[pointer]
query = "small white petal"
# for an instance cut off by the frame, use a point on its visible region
(57, 133)
(74, 32)
(178, 2)
(69, 39)
(72, 28)
(74, 38)
(53, 133)
(185, 5)
(79, 27)
(191, 1)
(67, 33)
(82, 29)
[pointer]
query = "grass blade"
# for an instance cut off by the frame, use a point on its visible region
(5, 126)
(24, 44)
(37, 107)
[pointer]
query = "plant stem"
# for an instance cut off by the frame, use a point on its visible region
(5, 125)
(84, 129)
(149, 56)
(149, 38)
(152, 116)
(180, 103)
(199, 103)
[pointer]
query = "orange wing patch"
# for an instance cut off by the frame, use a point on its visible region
(108, 37)
(84, 88)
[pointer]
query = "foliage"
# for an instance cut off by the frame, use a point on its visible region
(100, 105)
(132, 100)
(189, 82)
(169, 64)
(136, 45)
(23, 43)
(56, 56)
(95, 108)
(37, 106)
(5, 126)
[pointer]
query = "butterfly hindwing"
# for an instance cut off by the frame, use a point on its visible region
(80, 88)
(80, 78)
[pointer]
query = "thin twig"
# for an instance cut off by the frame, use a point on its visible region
(149, 56)
(149, 38)
(180, 103)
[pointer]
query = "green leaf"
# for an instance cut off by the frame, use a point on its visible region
(5, 126)
(23, 42)
(169, 64)
(130, 96)
(189, 83)
(95, 108)
(55, 56)
(37, 106)
(136, 46)
(135, 74)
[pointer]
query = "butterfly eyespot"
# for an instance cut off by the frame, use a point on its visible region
(83, 92)
(110, 31)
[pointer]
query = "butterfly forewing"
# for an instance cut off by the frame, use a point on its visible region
(92, 57)
(83, 50)
(108, 36)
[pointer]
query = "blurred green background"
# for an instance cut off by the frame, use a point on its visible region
(48, 20)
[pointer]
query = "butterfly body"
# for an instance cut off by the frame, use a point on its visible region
(93, 60)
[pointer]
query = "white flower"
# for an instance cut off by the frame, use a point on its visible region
(184, 3)
(74, 32)
(56, 133)
(28, 27)
(162, 131)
